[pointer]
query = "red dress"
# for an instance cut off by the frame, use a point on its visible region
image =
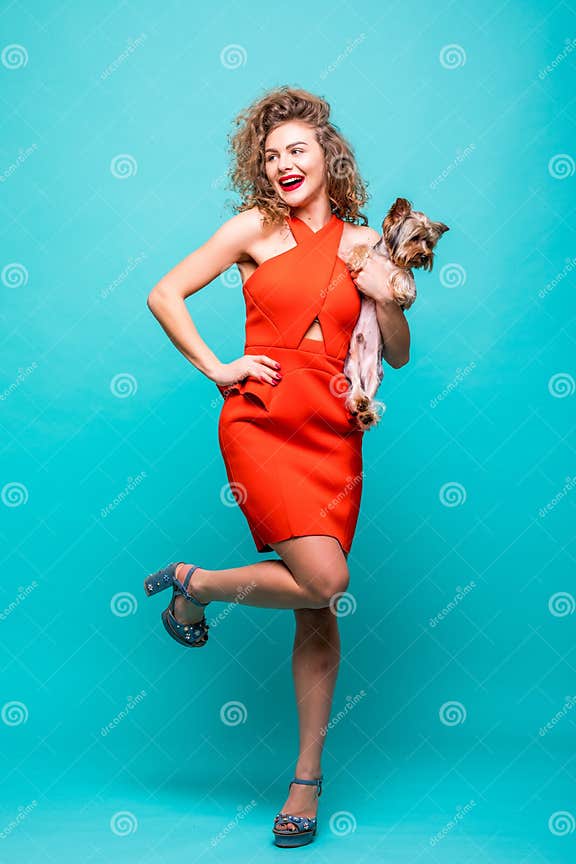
(292, 452)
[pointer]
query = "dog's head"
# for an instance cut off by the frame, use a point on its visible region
(410, 236)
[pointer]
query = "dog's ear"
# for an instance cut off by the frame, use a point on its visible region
(398, 212)
(401, 208)
(439, 228)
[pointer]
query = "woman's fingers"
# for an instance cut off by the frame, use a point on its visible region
(264, 371)
(271, 377)
(263, 358)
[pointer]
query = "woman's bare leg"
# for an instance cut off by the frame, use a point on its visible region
(315, 664)
(313, 567)
(312, 570)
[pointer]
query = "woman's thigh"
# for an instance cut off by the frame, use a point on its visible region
(317, 562)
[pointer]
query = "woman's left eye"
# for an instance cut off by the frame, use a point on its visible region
(296, 150)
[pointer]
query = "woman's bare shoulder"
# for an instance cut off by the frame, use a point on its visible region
(249, 229)
(253, 219)
(245, 224)
(358, 235)
(366, 234)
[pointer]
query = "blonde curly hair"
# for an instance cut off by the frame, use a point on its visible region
(247, 173)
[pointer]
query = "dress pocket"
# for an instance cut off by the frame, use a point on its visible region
(308, 398)
(255, 391)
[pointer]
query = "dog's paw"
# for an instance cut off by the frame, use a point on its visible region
(367, 419)
(361, 404)
(357, 257)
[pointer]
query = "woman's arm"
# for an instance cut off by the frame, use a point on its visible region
(166, 300)
(395, 333)
(373, 281)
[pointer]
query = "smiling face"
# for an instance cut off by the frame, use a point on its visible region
(293, 153)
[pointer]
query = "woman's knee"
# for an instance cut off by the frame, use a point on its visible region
(318, 564)
(328, 586)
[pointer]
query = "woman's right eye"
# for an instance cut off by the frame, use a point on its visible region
(295, 150)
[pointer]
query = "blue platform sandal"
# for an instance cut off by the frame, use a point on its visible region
(191, 635)
(305, 825)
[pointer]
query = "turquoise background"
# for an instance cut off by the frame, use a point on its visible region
(106, 478)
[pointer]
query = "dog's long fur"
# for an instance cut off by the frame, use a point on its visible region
(408, 241)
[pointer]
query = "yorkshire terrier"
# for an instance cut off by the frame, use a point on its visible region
(408, 240)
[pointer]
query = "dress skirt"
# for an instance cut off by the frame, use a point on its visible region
(292, 451)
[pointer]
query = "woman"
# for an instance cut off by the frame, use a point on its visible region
(292, 450)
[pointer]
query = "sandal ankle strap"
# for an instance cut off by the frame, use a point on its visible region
(185, 584)
(316, 782)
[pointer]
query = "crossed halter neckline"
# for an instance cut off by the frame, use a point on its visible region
(292, 219)
(333, 217)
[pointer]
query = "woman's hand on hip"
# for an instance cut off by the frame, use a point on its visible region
(258, 366)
